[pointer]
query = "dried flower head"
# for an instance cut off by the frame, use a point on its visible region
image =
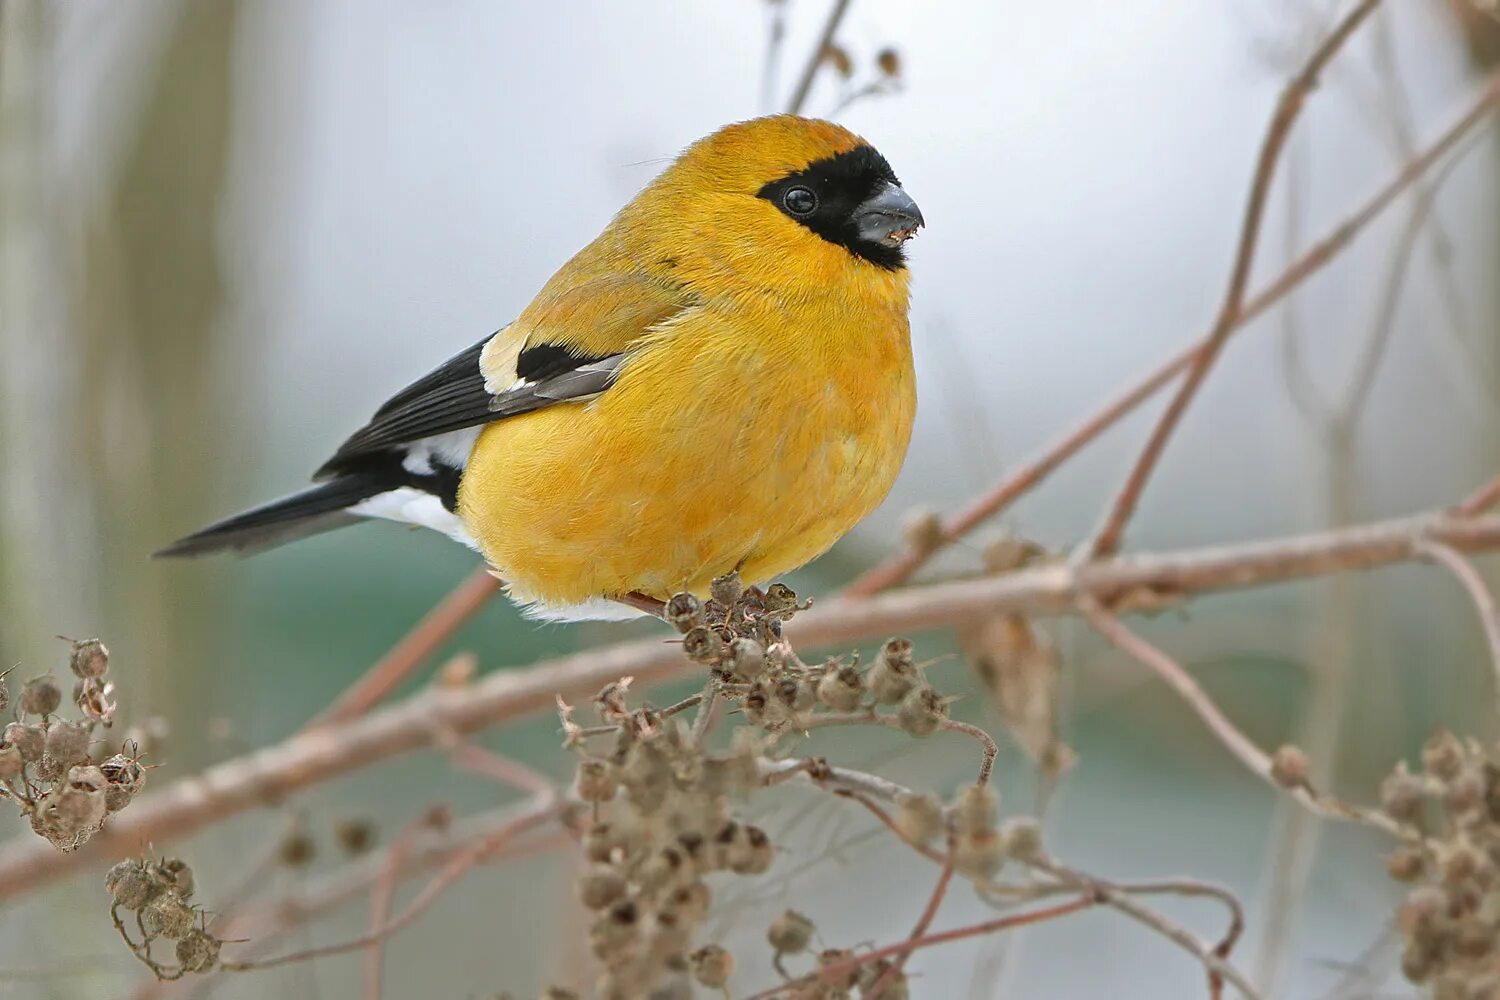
(790, 933)
(41, 696)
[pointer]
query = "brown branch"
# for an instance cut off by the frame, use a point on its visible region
(270, 774)
(1479, 593)
(900, 567)
(1256, 760)
(382, 897)
(1293, 98)
(815, 60)
(929, 912)
(545, 809)
(414, 648)
(833, 970)
(1480, 500)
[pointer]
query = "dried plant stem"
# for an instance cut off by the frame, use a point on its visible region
(412, 651)
(929, 912)
(307, 758)
(901, 566)
(1479, 593)
(836, 969)
(815, 59)
(989, 749)
(1480, 500)
(1256, 760)
(1116, 894)
(547, 808)
(1293, 98)
(381, 898)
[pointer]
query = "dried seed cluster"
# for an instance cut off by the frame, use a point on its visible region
(46, 762)
(160, 894)
(1449, 813)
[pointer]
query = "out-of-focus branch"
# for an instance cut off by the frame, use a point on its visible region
(1226, 732)
(816, 58)
(415, 647)
(1479, 592)
(1480, 500)
(1293, 98)
(900, 567)
(1135, 583)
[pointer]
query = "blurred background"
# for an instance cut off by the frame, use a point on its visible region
(229, 230)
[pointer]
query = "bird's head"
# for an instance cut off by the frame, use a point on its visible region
(786, 184)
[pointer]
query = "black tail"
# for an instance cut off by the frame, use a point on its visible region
(321, 508)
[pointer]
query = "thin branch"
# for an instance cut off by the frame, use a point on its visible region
(900, 567)
(1256, 760)
(381, 898)
(1480, 500)
(270, 774)
(816, 59)
(929, 912)
(415, 647)
(834, 970)
(1479, 592)
(1293, 98)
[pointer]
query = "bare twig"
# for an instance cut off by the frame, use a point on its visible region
(1480, 500)
(413, 650)
(1293, 98)
(381, 898)
(1479, 593)
(816, 59)
(835, 969)
(307, 758)
(1256, 760)
(929, 912)
(900, 567)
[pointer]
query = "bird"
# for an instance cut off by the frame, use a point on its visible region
(722, 381)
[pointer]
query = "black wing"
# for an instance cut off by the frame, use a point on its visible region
(453, 396)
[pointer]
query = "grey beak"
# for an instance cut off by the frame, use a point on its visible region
(889, 216)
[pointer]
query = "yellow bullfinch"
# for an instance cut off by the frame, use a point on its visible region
(721, 380)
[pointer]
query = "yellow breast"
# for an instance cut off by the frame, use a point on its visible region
(744, 435)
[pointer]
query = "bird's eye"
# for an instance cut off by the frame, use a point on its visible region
(800, 201)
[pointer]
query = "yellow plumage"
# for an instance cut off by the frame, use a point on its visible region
(721, 380)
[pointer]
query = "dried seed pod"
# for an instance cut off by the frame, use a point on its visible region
(179, 876)
(684, 612)
(615, 930)
(919, 818)
(599, 886)
(130, 885)
(790, 933)
(198, 951)
(727, 589)
(779, 599)
(703, 645)
(1402, 795)
(796, 694)
(712, 966)
(28, 739)
(4, 691)
(872, 973)
(841, 688)
(889, 62)
(922, 712)
(889, 683)
(842, 981)
(746, 659)
(1466, 791)
(67, 743)
(691, 900)
(41, 695)
(975, 809)
(922, 530)
(1459, 863)
(168, 916)
(11, 764)
(1406, 864)
(559, 993)
(88, 658)
(595, 781)
(125, 777)
(838, 58)
(1021, 837)
(608, 842)
(897, 652)
(297, 848)
(355, 835)
(1289, 767)
(755, 856)
(979, 853)
(1442, 755)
